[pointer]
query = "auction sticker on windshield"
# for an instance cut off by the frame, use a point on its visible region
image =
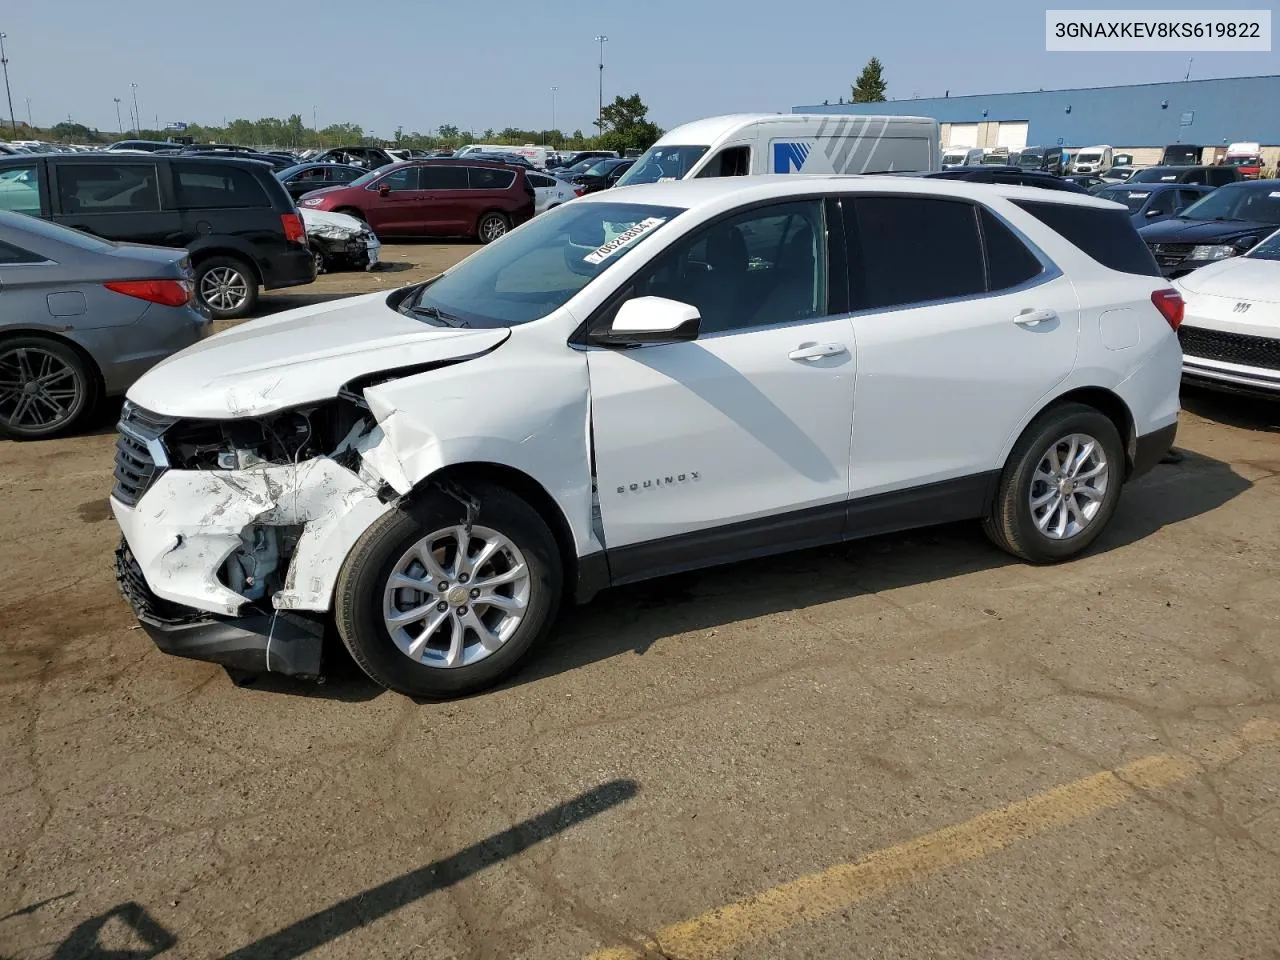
(606, 250)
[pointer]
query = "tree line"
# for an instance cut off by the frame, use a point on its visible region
(625, 126)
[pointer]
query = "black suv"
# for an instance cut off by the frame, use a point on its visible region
(234, 216)
(1008, 174)
(1209, 176)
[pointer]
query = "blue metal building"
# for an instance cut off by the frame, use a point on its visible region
(1206, 112)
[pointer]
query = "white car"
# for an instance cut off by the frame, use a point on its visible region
(549, 191)
(635, 384)
(1231, 335)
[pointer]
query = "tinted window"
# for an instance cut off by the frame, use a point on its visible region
(540, 181)
(730, 162)
(10, 254)
(203, 186)
(480, 178)
(1195, 176)
(20, 189)
(911, 250)
(1132, 199)
(1107, 236)
(108, 187)
(760, 267)
(406, 178)
(1009, 262)
(342, 174)
(439, 177)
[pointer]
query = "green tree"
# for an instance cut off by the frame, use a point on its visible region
(870, 86)
(447, 131)
(626, 125)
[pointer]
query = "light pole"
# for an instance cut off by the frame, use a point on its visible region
(29, 121)
(119, 122)
(602, 40)
(137, 117)
(4, 61)
(553, 109)
(314, 127)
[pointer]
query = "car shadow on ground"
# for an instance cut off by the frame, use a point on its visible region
(1247, 411)
(279, 302)
(631, 619)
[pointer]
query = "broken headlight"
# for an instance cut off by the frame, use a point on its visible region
(289, 436)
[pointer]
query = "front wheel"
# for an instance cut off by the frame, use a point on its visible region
(1059, 487)
(430, 608)
(492, 226)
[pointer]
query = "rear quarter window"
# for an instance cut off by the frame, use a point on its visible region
(204, 186)
(1106, 236)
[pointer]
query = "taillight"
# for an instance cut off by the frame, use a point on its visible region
(1170, 305)
(294, 230)
(170, 293)
(579, 191)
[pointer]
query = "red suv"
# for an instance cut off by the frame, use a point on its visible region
(434, 198)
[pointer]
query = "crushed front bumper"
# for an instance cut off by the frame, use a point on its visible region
(258, 642)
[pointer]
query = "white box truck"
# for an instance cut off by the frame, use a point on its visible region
(742, 144)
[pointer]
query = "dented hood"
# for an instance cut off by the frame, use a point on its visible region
(298, 357)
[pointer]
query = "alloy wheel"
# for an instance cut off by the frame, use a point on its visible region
(38, 389)
(456, 596)
(224, 288)
(1069, 486)
(492, 228)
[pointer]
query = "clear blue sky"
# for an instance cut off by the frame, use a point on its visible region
(491, 63)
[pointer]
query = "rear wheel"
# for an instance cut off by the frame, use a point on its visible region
(1060, 485)
(46, 388)
(492, 225)
(431, 608)
(227, 286)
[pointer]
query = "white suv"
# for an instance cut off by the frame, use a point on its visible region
(642, 382)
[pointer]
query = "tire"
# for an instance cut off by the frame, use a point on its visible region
(227, 287)
(67, 392)
(364, 596)
(318, 258)
(1045, 534)
(492, 226)
(353, 212)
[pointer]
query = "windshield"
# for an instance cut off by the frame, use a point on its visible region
(1089, 158)
(1268, 249)
(954, 158)
(601, 168)
(1133, 199)
(368, 178)
(1030, 161)
(1156, 175)
(663, 163)
(1258, 203)
(1243, 161)
(539, 267)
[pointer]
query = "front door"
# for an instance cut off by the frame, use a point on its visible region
(116, 201)
(961, 331)
(398, 203)
(737, 443)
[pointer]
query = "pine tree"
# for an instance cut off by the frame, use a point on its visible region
(870, 86)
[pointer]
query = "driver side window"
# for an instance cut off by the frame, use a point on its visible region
(760, 267)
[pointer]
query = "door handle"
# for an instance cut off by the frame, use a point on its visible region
(816, 351)
(1031, 318)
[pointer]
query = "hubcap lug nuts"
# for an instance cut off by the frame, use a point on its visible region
(443, 586)
(442, 606)
(463, 578)
(462, 611)
(475, 592)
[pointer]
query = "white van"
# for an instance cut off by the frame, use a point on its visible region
(1095, 160)
(756, 143)
(534, 154)
(961, 157)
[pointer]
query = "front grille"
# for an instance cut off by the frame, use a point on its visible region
(1170, 253)
(136, 467)
(1230, 347)
(133, 587)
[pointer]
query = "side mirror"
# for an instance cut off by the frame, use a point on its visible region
(1246, 243)
(383, 190)
(642, 320)
(1153, 213)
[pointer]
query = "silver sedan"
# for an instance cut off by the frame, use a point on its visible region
(81, 319)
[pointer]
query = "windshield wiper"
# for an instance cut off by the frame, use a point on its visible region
(448, 319)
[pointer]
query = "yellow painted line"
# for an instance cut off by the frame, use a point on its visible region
(837, 888)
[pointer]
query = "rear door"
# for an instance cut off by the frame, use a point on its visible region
(119, 200)
(448, 208)
(961, 329)
(224, 199)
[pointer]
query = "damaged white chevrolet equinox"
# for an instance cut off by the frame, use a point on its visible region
(641, 382)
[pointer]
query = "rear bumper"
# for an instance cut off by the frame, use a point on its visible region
(1150, 448)
(1233, 378)
(125, 353)
(289, 268)
(278, 642)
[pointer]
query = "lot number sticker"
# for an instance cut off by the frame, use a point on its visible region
(606, 250)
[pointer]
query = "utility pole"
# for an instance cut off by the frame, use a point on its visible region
(602, 40)
(4, 61)
(137, 117)
(119, 122)
(29, 122)
(553, 108)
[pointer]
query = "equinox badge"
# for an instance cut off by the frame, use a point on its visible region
(671, 481)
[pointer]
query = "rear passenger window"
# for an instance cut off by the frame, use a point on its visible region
(539, 181)
(108, 187)
(438, 177)
(1106, 236)
(20, 189)
(481, 178)
(205, 186)
(905, 250)
(1009, 262)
